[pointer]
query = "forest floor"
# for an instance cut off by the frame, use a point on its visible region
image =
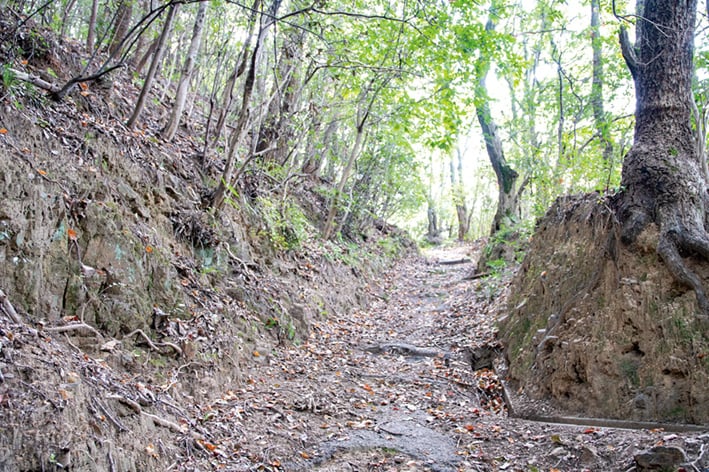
(391, 388)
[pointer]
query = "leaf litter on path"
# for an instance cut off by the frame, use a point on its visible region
(336, 403)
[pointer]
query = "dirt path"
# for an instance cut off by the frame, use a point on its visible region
(392, 389)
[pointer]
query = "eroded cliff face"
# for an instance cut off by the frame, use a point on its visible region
(602, 329)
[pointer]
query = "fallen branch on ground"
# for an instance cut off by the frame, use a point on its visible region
(73, 327)
(464, 260)
(8, 309)
(154, 346)
(404, 349)
(133, 405)
(172, 426)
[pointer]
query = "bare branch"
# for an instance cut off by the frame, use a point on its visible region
(628, 51)
(8, 309)
(34, 80)
(74, 327)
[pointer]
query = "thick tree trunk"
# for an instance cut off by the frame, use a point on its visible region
(662, 173)
(125, 12)
(507, 202)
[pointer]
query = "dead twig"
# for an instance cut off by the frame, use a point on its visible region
(155, 346)
(7, 308)
(74, 327)
(119, 426)
(145, 337)
(172, 426)
(172, 346)
(133, 405)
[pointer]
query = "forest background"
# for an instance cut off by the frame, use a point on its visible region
(389, 103)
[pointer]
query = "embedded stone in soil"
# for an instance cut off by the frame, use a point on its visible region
(403, 432)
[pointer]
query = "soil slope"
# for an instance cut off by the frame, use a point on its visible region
(603, 329)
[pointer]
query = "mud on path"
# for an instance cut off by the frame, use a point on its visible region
(392, 389)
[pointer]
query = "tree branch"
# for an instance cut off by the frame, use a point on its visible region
(628, 51)
(7, 308)
(34, 80)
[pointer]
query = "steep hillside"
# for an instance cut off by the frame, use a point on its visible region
(124, 299)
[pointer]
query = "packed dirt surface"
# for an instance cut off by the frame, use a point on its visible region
(391, 388)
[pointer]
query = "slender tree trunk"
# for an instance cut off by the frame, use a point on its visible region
(187, 71)
(144, 58)
(562, 116)
(276, 129)
(154, 66)
(66, 16)
(363, 112)
(315, 157)
(662, 174)
(212, 103)
(237, 136)
(599, 115)
(168, 65)
(91, 37)
(138, 52)
(433, 231)
(461, 206)
(332, 210)
(239, 69)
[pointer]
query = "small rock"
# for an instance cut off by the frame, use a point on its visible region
(558, 452)
(660, 458)
(589, 455)
(641, 401)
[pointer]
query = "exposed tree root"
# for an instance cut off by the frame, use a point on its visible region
(669, 250)
(679, 215)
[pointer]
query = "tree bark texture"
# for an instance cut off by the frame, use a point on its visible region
(662, 174)
(91, 36)
(125, 12)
